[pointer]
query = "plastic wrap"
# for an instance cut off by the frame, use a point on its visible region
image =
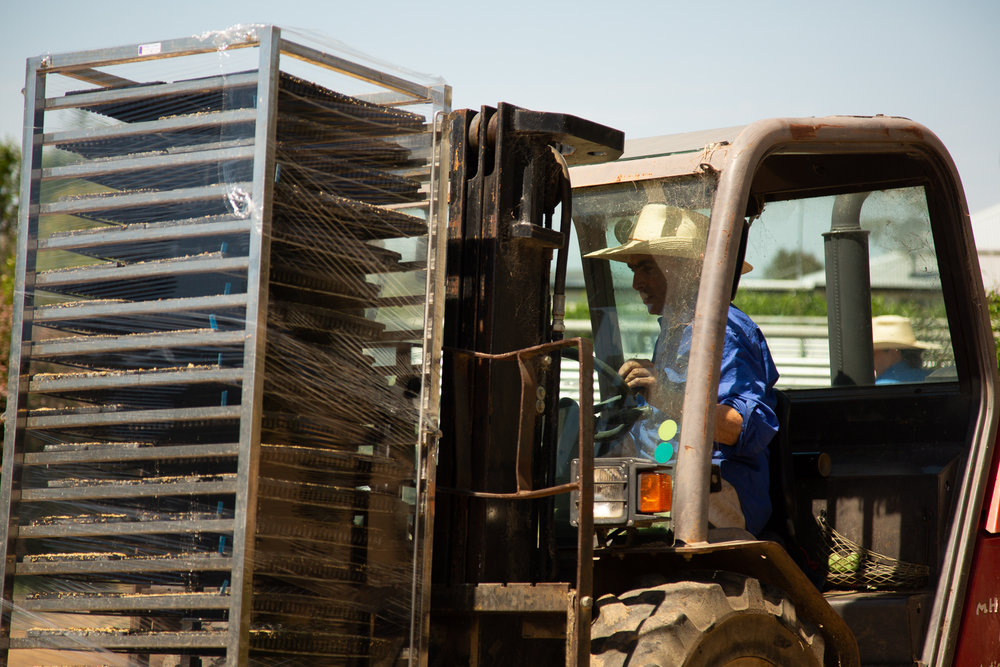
(218, 390)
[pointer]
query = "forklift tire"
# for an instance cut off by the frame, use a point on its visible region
(717, 619)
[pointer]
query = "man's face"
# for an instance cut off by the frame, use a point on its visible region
(649, 279)
(884, 359)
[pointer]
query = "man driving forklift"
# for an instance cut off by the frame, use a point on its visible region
(664, 253)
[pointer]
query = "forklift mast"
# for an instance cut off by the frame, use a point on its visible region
(493, 517)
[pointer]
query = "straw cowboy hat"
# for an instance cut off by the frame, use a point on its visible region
(663, 230)
(894, 332)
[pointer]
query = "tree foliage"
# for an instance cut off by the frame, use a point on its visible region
(993, 301)
(10, 170)
(790, 264)
(792, 303)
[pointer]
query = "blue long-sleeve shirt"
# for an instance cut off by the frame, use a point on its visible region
(901, 372)
(746, 383)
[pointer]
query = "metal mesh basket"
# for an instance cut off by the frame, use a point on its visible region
(854, 567)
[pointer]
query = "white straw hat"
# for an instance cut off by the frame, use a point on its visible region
(894, 332)
(663, 230)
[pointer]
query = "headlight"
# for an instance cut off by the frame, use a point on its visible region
(610, 493)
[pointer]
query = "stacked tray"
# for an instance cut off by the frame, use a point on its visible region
(147, 453)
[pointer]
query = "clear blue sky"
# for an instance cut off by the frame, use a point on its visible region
(648, 67)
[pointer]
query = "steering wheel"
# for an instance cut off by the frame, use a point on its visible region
(619, 411)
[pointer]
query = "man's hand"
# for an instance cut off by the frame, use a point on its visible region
(640, 377)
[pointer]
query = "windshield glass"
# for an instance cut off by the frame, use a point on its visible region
(642, 245)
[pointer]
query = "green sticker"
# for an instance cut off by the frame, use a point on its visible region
(667, 430)
(664, 452)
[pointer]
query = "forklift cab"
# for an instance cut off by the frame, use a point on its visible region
(845, 221)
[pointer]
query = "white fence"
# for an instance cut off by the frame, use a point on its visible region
(799, 346)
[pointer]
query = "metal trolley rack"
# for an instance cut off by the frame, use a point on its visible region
(211, 450)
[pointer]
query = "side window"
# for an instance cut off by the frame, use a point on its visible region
(795, 255)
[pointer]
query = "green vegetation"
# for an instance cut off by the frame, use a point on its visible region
(10, 170)
(993, 301)
(813, 304)
(576, 309)
(798, 303)
(916, 311)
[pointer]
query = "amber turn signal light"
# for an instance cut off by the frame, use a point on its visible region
(655, 492)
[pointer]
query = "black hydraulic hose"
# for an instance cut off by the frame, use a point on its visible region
(562, 255)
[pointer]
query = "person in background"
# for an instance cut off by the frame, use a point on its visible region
(897, 352)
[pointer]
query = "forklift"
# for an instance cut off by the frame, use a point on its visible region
(884, 508)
